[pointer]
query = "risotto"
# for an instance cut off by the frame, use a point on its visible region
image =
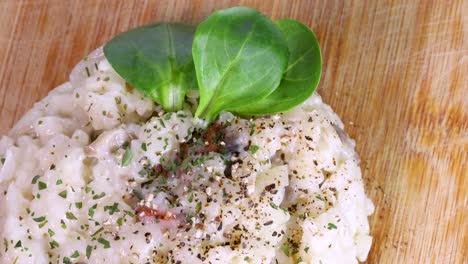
(98, 173)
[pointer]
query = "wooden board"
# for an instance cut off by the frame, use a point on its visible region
(395, 71)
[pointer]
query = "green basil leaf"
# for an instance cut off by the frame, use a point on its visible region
(240, 56)
(157, 60)
(301, 76)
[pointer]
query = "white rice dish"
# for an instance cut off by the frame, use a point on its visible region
(97, 173)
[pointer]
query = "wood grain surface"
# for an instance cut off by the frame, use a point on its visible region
(395, 71)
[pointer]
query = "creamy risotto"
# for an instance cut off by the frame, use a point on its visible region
(97, 173)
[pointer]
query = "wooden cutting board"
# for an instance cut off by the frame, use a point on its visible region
(395, 71)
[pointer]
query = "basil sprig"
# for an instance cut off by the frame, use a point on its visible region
(240, 56)
(241, 60)
(157, 60)
(301, 76)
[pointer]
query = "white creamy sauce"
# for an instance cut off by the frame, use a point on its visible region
(96, 173)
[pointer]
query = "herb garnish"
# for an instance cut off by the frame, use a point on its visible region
(35, 179)
(127, 157)
(302, 75)
(157, 60)
(54, 244)
(242, 61)
(75, 254)
(63, 194)
(285, 250)
(198, 207)
(240, 56)
(91, 210)
(70, 216)
(51, 232)
(112, 208)
(42, 185)
(104, 242)
(253, 149)
(99, 196)
(89, 250)
(39, 219)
